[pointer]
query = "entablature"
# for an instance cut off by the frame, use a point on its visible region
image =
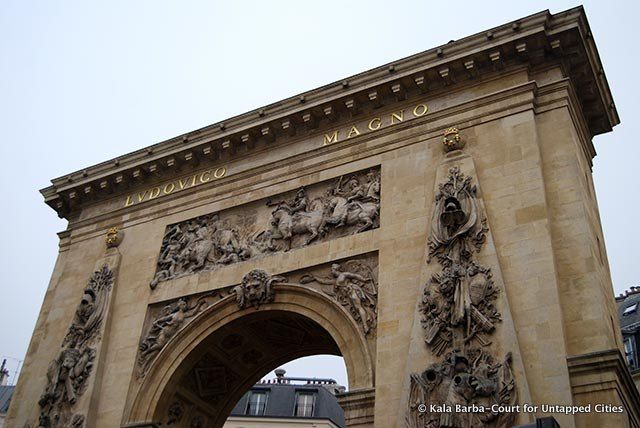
(535, 41)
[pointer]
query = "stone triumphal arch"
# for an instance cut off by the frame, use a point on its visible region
(299, 322)
(433, 221)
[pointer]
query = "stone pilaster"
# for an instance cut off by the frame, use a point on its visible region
(463, 328)
(358, 406)
(74, 378)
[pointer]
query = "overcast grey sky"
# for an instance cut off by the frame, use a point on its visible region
(82, 82)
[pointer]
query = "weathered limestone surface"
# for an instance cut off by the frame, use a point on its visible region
(527, 99)
(464, 314)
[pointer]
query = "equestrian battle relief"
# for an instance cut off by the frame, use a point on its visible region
(346, 205)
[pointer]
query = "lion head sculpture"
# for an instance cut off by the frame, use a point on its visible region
(256, 288)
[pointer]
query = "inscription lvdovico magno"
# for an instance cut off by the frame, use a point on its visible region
(365, 126)
(330, 209)
(373, 124)
(175, 186)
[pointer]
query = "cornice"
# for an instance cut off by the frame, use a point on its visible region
(300, 167)
(601, 363)
(563, 38)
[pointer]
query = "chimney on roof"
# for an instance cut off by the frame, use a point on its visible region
(4, 373)
(633, 290)
(280, 374)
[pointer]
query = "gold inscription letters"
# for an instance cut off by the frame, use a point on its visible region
(368, 125)
(374, 124)
(176, 185)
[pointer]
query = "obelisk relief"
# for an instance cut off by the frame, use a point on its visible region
(465, 365)
(75, 376)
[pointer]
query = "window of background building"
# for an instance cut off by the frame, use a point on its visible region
(257, 403)
(304, 404)
(628, 351)
(631, 309)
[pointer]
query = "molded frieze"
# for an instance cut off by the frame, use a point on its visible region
(331, 209)
(351, 284)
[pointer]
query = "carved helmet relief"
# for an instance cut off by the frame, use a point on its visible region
(349, 204)
(458, 318)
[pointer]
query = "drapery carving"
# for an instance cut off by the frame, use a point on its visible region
(350, 204)
(68, 374)
(351, 283)
(354, 286)
(458, 317)
(171, 319)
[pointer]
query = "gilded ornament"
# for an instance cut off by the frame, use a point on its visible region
(114, 237)
(452, 140)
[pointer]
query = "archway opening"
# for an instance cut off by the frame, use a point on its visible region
(302, 393)
(218, 372)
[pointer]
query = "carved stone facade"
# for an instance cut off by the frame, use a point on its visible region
(458, 317)
(342, 191)
(256, 289)
(354, 286)
(172, 317)
(347, 205)
(351, 283)
(68, 374)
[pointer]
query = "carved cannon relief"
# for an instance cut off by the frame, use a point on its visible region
(347, 205)
(458, 318)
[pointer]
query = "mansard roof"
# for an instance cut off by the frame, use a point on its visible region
(538, 39)
(281, 402)
(629, 311)
(6, 392)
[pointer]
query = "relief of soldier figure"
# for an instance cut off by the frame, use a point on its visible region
(68, 374)
(350, 204)
(170, 320)
(355, 203)
(354, 286)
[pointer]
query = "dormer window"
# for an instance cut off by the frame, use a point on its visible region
(630, 309)
(628, 352)
(257, 403)
(304, 404)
